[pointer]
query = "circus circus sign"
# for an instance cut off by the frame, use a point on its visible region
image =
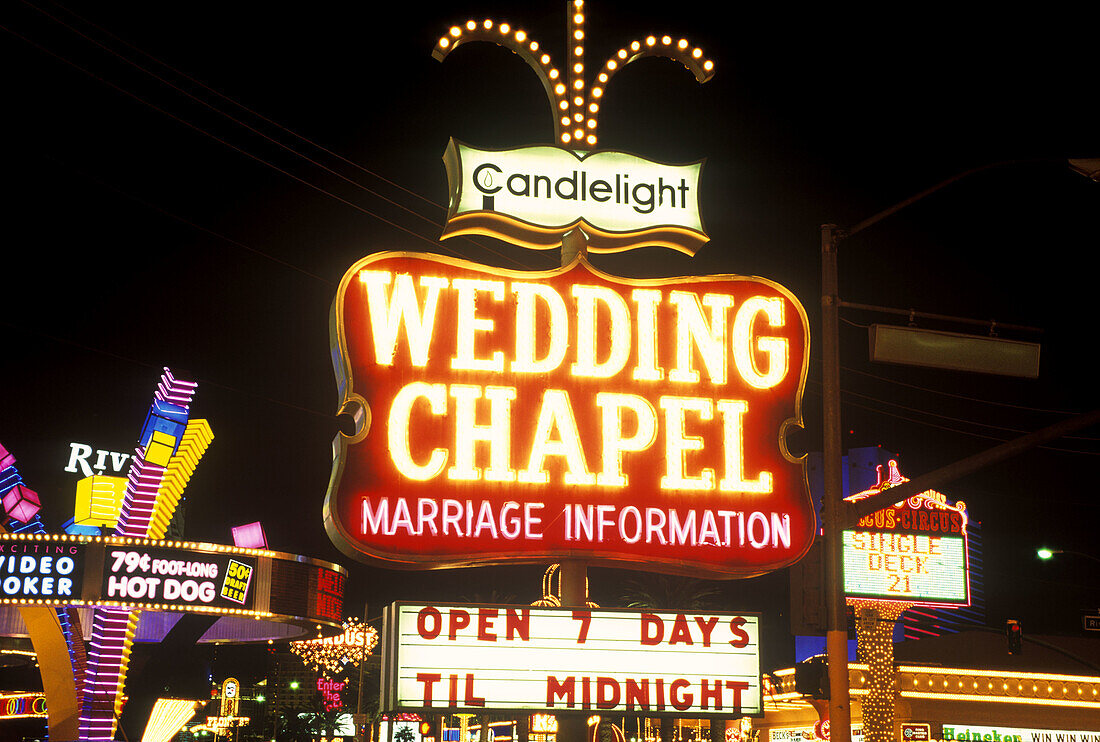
(914, 551)
(507, 416)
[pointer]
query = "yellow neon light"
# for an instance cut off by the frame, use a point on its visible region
(693, 330)
(951, 679)
(498, 433)
(1031, 700)
(196, 438)
(519, 41)
(618, 332)
(99, 500)
(390, 311)
(776, 349)
(528, 295)
(614, 444)
(647, 369)
(398, 429)
(468, 325)
(733, 419)
(556, 414)
(678, 444)
(971, 672)
(167, 718)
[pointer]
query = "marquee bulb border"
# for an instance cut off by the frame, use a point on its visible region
(574, 100)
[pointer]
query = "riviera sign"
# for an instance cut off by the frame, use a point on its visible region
(531, 196)
(567, 413)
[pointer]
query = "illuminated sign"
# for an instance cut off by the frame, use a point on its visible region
(916, 732)
(971, 733)
(818, 731)
(567, 413)
(914, 551)
(152, 574)
(99, 500)
(907, 567)
(330, 693)
(332, 653)
(81, 459)
(532, 195)
(22, 705)
(167, 576)
(36, 571)
(483, 658)
(231, 697)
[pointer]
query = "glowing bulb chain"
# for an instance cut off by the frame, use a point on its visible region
(574, 100)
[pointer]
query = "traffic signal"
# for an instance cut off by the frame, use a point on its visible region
(811, 678)
(1015, 634)
(425, 729)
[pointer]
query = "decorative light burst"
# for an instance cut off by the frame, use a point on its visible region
(575, 93)
(331, 655)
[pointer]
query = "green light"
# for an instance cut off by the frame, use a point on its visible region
(294, 685)
(261, 699)
(1045, 553)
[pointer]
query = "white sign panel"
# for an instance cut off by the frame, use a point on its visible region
(913, 568)
(819, 731)
(467, 657)
(536, 193)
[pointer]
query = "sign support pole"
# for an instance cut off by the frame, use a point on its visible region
(360, 720)
(840, 714)
(875, 631)
(573, 574)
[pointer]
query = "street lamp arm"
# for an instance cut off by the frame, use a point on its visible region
(872, 220)
(968, 465)
(1077, 553)
(838, 514)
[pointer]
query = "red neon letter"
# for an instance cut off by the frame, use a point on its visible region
(459, 619)
(518, 624)
(429, 679)
(422, 622)
(485, 618)
(607, 701)
(471, 699)
(737, 686)
(651, 621)
(740, 636)
(706, 626)
(566, 689)
(680, 702)
(585, 617)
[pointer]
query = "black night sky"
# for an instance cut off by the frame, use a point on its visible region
(187, 183)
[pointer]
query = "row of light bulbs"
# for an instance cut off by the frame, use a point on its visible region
(574, 111)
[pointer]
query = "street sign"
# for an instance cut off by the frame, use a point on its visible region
(916, 732)
(1090, 621)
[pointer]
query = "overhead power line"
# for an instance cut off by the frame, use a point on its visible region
(435, 243)
(251, 111)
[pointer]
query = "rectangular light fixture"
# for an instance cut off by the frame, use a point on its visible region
(912, 346)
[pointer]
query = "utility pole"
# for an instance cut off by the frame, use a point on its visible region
(832, 514)
(360, 725)
(838, 514)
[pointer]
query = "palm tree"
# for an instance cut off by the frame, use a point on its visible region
(670, 592)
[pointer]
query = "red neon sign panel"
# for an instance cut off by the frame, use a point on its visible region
(567, 414)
